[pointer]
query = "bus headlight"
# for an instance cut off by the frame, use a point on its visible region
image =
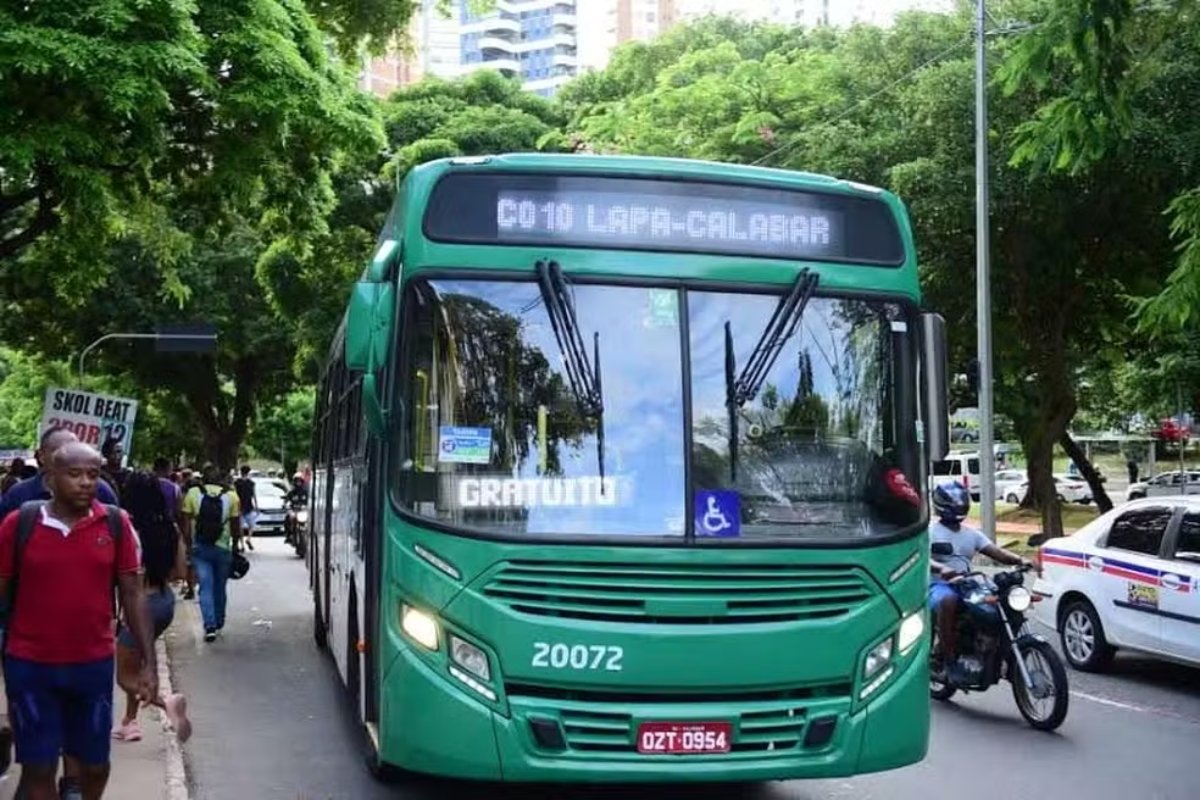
(877, 658)
(420, 627)
(470, 658)
(911, 630)
(1019, 599)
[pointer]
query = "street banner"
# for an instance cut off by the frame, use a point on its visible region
(94, 418)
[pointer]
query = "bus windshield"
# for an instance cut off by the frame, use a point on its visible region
(497, 439)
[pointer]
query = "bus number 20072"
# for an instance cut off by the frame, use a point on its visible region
(577, 656)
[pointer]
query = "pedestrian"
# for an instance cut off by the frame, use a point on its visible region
(115, 472)
(58, 656)
(1132, 466)
(35, 488)
(15, 470)
(187, 482)
(212, 523)
(249, 503)
(152, 511)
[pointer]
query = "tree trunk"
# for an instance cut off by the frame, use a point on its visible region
(1076, 454)
(225, 424)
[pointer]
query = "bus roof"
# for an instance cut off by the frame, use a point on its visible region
(654, 166)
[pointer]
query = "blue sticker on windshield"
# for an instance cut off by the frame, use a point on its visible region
(718, 513)
(458, 445)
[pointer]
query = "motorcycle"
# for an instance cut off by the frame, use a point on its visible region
(295, 527)
(995, 643)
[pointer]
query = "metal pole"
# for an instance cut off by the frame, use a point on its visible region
(1183, 476)
(987, 472)
(107, 336)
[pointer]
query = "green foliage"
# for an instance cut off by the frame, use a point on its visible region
(284, 428)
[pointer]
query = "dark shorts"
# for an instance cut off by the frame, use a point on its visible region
(162, 613)
(57, 708)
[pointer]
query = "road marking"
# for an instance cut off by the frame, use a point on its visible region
(1132, 706)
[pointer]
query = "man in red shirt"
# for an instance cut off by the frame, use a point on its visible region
(58, 652)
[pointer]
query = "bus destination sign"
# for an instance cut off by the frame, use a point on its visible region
(693, 222)
(653, 214)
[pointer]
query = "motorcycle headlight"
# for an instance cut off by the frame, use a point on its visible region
(302, 516)
(1019, 599)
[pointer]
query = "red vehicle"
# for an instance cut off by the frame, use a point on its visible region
(1169, 430)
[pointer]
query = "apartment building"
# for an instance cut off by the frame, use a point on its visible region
(533, 40)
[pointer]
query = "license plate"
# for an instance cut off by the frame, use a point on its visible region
(684, 738)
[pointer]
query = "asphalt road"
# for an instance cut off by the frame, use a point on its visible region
(271, 723)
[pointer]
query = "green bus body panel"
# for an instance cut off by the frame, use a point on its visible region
(689, 657)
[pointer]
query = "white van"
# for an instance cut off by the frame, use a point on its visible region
(958, 467)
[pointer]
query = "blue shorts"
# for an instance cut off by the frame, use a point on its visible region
(939, 591)
(162, 613)
(60, 708)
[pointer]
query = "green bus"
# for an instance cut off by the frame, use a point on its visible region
(619, 475)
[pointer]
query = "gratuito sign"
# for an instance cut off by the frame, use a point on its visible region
(94, 418)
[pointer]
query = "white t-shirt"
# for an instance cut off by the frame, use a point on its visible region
(966, 541)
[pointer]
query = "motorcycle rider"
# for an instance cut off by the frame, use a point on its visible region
(951, 502)
(295, 499)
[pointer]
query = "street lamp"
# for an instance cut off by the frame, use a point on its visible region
(195, 337)
(983, 289)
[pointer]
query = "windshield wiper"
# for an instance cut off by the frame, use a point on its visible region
(582, 376)
(781, 327)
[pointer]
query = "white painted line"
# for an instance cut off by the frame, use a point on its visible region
(1106, 701)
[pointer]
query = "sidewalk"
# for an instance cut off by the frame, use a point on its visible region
(145, 770)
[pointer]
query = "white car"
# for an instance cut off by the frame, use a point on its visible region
(1010, 485)
(1068, 489)
(1163, 485)
(1129, 579)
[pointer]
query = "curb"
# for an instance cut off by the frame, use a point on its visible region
(176, 787)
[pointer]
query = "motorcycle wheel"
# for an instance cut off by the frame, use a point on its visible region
(940, 687)
(1045, 706)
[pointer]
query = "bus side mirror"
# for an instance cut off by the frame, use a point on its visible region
(360, 321)
(934, 372)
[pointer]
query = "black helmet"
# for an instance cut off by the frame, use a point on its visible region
(951, 502)
(239, 567)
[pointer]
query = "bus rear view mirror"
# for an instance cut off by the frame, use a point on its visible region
(934, 383)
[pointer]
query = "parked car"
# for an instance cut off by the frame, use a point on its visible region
(1165, 484)
(1130, 579)
(1069, 490)
(269, 494)
(1010, 485)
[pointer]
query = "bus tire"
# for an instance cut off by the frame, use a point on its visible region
(320, 634)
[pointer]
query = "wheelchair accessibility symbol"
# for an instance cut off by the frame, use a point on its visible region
(718, 513)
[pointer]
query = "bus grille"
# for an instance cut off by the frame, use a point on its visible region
(678, 593)
(754, 731)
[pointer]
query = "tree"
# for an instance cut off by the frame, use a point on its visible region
(284, 429)
(245, 165)
(114, 109)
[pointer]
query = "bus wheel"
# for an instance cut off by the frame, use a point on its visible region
(320, 636)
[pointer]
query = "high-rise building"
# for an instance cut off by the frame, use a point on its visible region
(432, 50)
(534, 40)
(609, 23)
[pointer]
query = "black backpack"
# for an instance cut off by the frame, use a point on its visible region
(210, 520)
(145, 502)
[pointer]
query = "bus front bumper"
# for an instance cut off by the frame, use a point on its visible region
(432, 725)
